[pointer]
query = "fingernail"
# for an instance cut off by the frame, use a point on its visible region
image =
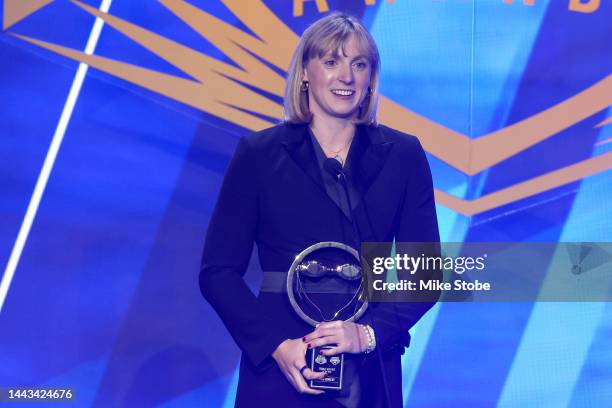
(309, 345)
(304, 338)
(320, 351)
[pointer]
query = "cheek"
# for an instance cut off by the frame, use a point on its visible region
(318, 80)
(363, 85)
(364, 79)
(326, 78)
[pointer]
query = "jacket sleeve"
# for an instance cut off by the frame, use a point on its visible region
(417, 223)
(227, 250)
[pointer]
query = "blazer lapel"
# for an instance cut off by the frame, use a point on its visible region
(367, 157)
(300, 149)
(299, 146)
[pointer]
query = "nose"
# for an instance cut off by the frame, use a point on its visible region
(345, 74)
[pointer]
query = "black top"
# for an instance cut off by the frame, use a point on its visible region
(332, 184)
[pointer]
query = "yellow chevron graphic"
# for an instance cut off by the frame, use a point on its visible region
(17, 10)
(216, 88)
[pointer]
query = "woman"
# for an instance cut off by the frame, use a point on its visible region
(276, 193)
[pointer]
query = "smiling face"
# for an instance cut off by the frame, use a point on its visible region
(338, 81)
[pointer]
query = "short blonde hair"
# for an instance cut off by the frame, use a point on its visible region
(329, 34)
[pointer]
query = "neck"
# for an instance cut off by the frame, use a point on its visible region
(333, 132)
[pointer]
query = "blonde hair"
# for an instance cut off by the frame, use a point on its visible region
(329, 34)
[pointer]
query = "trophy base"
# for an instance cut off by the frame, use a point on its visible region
(332, 365)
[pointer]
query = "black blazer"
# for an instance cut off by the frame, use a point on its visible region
(273, 195)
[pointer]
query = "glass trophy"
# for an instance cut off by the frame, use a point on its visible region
(325, 283)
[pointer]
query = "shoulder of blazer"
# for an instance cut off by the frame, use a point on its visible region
(274, 136)
(395, 136)
(406, 145)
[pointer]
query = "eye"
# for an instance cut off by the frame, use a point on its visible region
(330, 63)
(361, 65)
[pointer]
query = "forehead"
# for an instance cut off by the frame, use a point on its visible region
(350, 46)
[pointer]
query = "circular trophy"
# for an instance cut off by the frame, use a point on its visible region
(325, 283)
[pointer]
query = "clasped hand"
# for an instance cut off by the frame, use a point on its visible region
(290, 355)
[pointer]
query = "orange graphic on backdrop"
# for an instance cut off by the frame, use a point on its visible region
(216, 88)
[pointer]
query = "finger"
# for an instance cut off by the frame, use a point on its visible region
(319, 336)
(301, 385)
(332, 351)
(331, 325)
(323, 341)
(322, 332)
(312, 375)
(307, 372)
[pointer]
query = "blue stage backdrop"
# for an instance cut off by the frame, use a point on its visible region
(118, 120)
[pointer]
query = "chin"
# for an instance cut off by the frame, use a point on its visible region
(345, 113)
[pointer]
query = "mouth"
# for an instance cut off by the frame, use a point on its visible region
(343, 92)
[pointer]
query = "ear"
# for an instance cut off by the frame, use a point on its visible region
(304, 75)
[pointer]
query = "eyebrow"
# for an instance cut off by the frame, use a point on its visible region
(336, 54)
